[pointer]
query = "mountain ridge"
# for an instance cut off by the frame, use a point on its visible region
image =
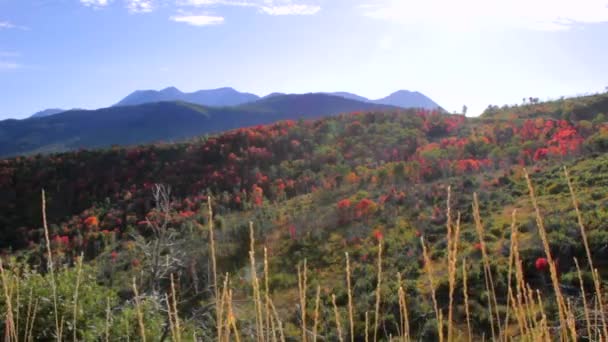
(161, 121)
(228, 96)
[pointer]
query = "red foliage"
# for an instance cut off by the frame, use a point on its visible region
(541, 264)
(187, 214)
(61, 240)
(257, 195)
(364, 207)
(471, 165)
(91, 221)
(344, 204)
(541, 153)
(292, 231)
(378, 235)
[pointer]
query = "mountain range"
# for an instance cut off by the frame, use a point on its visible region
(147, 116)
(220, 97)
(230, 97)
(161, 121)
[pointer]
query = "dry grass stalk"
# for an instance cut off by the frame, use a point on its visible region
(259, 319)
(231, 317)
(429, 272)
(579, 216)
(302, 285)
(510, 271)
(61, 325)
(279, 323)
(596, 310)
(350, 300)
(50, 265)
(453, 240)
(140, 315)
(28, 313)
(170, 316)
(450, 248)
(403, 319)
(9, 323)
(405, 329)
(316, 314)
(175, 313)
(337, 317)
(601, 304)
(584, 296)
(267, 294)
(378, 290)
(18, 300)
(78, 273)
(552, 269)
(366, 326)
(525, 320)
(218, 318)
(224, 303)
(492, 302)
(31, 330)
(465, 294)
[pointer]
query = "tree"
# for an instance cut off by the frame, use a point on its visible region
(162, 252)
(464, 110)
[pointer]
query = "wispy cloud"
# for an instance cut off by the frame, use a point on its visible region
(198, 20)
(187, 9)
(197, 3)
(271, 7)
(546, 15)
(291, 9)
(140, 6)
(134, 6)
(95, 3)
(7, 25)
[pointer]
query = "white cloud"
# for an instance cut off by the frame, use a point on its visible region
(271, 7)
(198, 20)
(140, 6)
(290, 9)
(95, 3)
(547, 15)
(6, 25)
(198, 3)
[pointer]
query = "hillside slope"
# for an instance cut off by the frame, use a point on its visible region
(314, 190)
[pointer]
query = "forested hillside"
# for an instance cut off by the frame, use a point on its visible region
(392, 188)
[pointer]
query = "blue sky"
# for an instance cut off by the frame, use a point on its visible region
(91, 53)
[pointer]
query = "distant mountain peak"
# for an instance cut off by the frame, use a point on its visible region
(171, 90)
(220, 97)
(408, 99)
(47, 112)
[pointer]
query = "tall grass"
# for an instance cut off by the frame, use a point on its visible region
(525, 315)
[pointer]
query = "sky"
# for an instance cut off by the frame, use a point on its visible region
(91, 53)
